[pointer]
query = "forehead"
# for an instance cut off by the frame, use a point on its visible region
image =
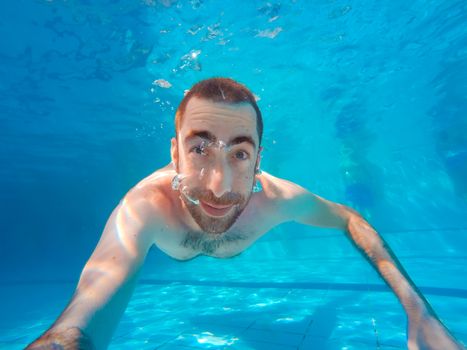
(219, 118)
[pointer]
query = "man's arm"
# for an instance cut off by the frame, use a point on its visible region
(425, 329)
(106, 282)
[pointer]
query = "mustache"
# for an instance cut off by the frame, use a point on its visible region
(230, 198)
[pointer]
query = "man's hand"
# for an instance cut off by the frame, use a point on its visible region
(425, 331)
(69, 339)
(107, 280)
(428, 333)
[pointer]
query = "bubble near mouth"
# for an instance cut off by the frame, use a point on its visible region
(187, 196)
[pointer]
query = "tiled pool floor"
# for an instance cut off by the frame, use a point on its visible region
(179, 316)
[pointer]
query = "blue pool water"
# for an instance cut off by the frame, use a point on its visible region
(364, 103)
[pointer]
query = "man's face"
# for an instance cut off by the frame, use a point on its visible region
(216, 155)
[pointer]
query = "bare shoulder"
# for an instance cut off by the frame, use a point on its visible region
(151, 198)
(279, 196)
(133, 224)
(279, 189)
(295, 203)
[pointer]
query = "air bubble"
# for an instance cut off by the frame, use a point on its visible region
(162, 83)
(176, 181)
(192, 200)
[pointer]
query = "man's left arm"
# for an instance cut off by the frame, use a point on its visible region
(425, 330)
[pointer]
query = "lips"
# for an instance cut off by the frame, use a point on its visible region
(215, 209)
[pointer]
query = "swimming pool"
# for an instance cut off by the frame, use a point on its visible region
(363, 103)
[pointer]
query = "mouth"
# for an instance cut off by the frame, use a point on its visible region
(215, 209)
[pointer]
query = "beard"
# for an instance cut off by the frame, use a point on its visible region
(215, 225)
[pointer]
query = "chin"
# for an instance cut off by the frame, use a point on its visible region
(213, 226)
(215, 231)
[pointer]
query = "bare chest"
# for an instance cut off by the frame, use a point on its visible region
(187, 245)
(183, 245)
(178, 242)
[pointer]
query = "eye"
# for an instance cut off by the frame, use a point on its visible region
(241, 155)
(200, 149)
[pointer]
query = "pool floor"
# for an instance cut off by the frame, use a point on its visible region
(182, 316)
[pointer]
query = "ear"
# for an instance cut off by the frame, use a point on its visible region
(258, 160)
(174, 152)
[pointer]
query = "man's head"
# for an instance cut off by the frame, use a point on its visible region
(222, 90)
(216, 151)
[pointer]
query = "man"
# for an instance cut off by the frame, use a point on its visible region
(212, 199)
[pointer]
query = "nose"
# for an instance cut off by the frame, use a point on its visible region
(220, 179)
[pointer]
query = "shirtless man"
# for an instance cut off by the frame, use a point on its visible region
(212, 199)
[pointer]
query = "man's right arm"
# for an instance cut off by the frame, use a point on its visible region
(107, 280)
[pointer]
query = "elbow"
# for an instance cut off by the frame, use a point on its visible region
(365, 237)
(349, 216)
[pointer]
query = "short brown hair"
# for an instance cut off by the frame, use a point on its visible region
(224, 90)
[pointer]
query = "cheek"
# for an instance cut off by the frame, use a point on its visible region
(187, 164)
(245, 180)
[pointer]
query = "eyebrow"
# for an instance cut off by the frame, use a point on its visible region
(209, 136)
